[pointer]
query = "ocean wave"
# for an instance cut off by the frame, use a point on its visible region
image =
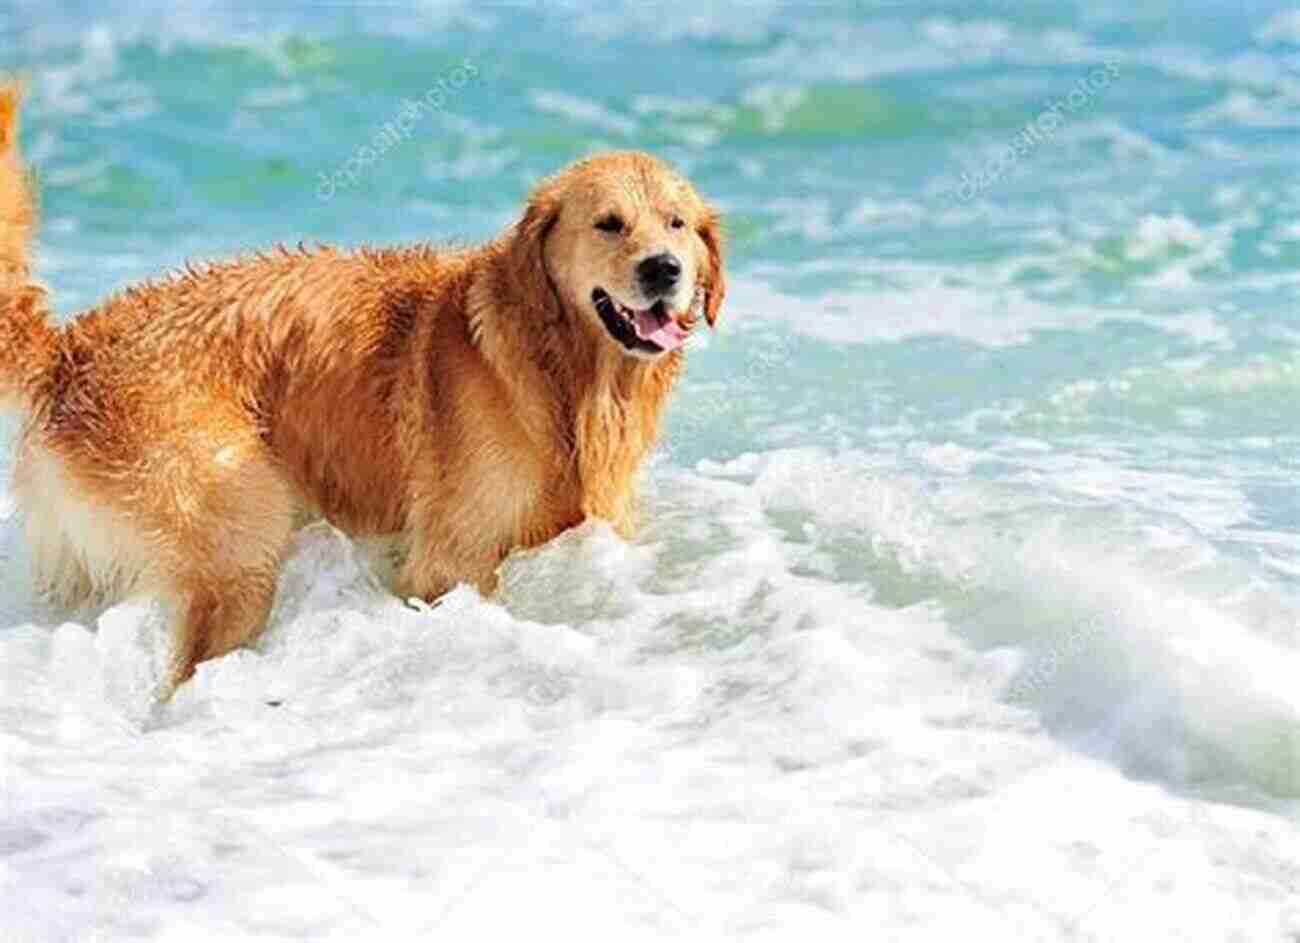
(912, 300)
(1121, 649)
(806, 666)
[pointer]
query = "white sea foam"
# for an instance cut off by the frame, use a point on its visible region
(1282, 27)
(915, 300)
(583, 110)
(814, 695)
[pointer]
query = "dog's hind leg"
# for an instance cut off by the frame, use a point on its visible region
(216, 616)
(225, 517)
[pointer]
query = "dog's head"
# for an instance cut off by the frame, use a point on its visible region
(627, 247)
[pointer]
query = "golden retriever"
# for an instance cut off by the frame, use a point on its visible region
(465, 402)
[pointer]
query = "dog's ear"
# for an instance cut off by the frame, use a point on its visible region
(715, 278)
(528, 248)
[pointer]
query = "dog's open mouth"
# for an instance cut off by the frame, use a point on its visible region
(653, 330)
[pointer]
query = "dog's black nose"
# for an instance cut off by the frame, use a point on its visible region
(659, 273)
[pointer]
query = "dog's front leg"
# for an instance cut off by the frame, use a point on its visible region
(428, 580)
(442, 556)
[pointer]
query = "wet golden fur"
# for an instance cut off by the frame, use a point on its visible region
(465, 402)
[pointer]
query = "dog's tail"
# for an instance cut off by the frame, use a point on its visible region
(28, 339)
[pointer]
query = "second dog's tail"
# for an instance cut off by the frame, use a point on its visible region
(28, 340)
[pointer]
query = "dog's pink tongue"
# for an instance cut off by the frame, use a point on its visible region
(660, 329)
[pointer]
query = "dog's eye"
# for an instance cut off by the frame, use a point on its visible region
(677, 222)
(610, 223)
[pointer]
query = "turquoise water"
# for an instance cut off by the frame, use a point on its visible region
(1155, 227)
(1011, 361)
